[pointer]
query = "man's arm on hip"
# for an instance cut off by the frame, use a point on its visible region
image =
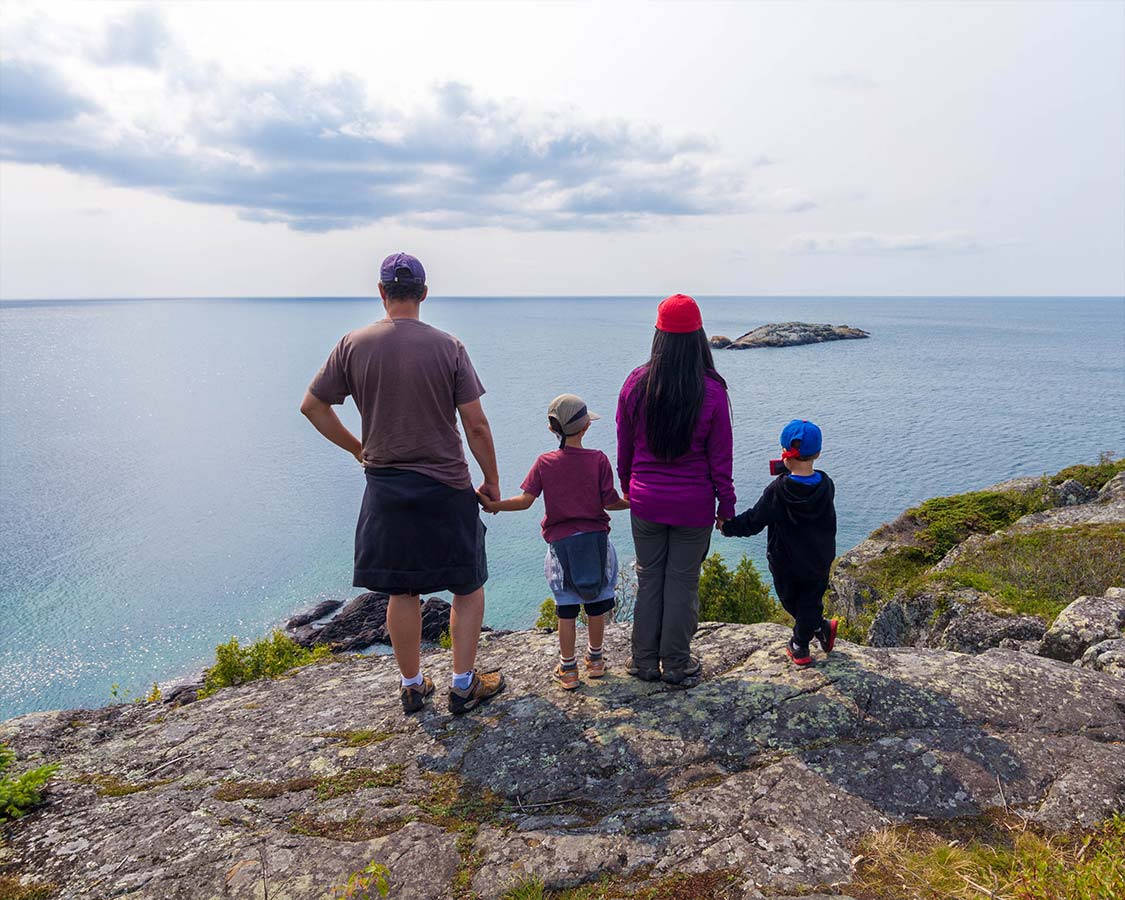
(479, 435)
(325, 420)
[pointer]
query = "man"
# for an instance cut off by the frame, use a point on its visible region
(419, 526)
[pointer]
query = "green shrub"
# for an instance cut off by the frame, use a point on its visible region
(947, 521)
(1092, 476)
(1040, 572)
(266, 658)
(19, 795)
(445, 641)
(738, 596)
(548, 615)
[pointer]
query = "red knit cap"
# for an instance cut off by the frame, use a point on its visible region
(678, 314)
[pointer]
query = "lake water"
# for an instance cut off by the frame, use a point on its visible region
(160, 492)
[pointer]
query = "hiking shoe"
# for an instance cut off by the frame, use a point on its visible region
(484, 686)
(567, 676)
(414, 695)
(644, 673)
(826, 635)
(595, 666)
(677, 676)
(799, 653)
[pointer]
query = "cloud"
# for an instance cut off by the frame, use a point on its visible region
(31, 93)
(848, 81)
(858, 243)
(320, 154)
(136, 39)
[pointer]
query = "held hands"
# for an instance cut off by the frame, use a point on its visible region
(719, 523)
(488, 495)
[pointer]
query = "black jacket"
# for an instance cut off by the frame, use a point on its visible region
(802, 526)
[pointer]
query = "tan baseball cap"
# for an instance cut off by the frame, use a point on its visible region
(568, 412)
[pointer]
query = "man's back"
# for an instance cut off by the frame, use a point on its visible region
(407, 379)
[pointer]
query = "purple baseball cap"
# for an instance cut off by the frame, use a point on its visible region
(402, 268)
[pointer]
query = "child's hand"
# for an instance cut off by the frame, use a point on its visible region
(488, 504)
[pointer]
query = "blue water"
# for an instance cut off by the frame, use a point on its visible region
(160, 492)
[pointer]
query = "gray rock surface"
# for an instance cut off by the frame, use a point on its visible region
(299, 781)
(1107, 656)
(792, 334)
(1087, 621)
(957, 620)
(720, 341)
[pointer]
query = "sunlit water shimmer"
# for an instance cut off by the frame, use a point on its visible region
(159, 491)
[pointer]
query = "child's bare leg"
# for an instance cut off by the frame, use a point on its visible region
(596, 631)
(567, 632)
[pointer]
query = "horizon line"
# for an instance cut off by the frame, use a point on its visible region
(25, 301)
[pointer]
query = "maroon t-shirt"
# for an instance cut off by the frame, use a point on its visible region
(577, 486)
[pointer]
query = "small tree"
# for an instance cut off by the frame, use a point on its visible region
(738, 596)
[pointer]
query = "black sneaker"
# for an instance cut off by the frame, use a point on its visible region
(678, 676)
(414, 695)
(644, 673)
(826, 635)
(484, 686)
(799, 653)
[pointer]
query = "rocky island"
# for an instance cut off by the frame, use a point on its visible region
(760, 781)
(788, 334)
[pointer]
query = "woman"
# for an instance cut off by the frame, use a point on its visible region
(674, 457)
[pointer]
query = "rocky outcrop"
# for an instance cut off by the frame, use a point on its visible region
(1086, 622)
(1108, 656)
(950, 620)
(788, 334)
(362, 622)
(292, 784)
(891, 579)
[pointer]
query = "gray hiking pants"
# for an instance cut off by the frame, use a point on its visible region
(667, 610)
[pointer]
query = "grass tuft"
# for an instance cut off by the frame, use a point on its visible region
(351, 780)
(113, 786)
(361, 737)
(12, 889)
(997, 855)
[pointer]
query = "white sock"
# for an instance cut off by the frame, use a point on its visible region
(413, 682)
(461, 682)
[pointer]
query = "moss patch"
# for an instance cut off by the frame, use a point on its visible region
(351, 780)
(1040, 572)
(112, 786)
(262, 790)
(11, 889)
(969, 858)
(353, 829)
(359, 738)
(717, 885)
(947, 521)
(452, 802)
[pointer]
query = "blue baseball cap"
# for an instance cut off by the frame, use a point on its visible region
(402, 268)
(804, 431)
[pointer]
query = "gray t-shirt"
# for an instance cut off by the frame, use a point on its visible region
(407, 379)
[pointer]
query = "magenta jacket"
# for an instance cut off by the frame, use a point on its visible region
(682, 492)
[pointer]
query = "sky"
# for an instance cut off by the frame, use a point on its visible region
(282, 149)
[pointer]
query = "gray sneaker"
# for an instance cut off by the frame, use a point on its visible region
(678, 676)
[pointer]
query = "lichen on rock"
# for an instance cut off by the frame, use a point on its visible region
(761, 770)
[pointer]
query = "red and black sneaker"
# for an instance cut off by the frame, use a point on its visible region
(826, 635)
(799, 653)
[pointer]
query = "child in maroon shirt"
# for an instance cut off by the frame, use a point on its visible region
(581, 564)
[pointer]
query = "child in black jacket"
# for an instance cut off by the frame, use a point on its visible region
(797, 508)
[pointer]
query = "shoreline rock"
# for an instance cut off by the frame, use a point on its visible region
(302, 780)
(788, 334)
(362, 622)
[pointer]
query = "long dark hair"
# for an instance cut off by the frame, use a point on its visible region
(673, 391)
